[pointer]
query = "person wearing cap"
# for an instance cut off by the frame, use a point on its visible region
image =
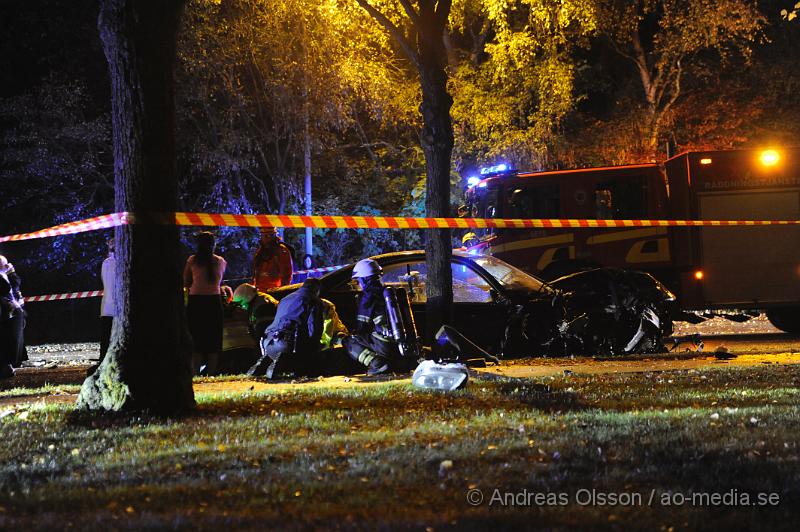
(272, 264)
(291, 343)
(372, 345)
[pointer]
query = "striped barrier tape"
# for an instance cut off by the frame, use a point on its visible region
(58, 297)
(326, 269)
(361, 222)
(105, 221)
(99, 293)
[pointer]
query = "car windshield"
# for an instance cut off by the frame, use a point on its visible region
(509, 276)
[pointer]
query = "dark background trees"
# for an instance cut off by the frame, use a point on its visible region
(541, 88)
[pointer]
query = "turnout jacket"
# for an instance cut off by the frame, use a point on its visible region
(372, 316)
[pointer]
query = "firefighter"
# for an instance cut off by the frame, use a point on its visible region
(372, 344)
(333, 329)
(468, 240)
(333, 358)
(291, 342)
(272, 264)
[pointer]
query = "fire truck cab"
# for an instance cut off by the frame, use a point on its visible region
(718, 268)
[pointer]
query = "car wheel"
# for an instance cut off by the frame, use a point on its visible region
(786, 319)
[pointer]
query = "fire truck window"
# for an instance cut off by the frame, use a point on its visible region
(621, 200)
(605, 203)
(534, 202)
(484, 203)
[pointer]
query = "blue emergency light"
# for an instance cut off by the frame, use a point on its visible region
(496, 169)
(473, 180)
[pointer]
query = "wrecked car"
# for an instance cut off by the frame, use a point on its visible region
(506, 311)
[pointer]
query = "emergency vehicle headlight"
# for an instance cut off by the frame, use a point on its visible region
(705, 160)
(769, 157)
(448, 377)
(472, 181)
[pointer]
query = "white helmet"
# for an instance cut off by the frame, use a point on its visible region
(366, 268)
(244, 293)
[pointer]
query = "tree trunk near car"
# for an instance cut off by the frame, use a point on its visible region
(424, 45)
(437, 144)
(147, 366)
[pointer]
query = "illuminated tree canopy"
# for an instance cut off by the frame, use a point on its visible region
(540, 83)
(663, 39)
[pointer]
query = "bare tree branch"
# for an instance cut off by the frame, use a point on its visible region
(640, 58)
(394, 31)
(413, 15)
(676, 92)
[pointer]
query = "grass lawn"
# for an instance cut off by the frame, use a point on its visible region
(644, 450)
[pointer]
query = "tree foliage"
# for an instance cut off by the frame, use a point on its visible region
(514, 77)
(666, 39)
(255, 73)
(536, 82)
(57, 166)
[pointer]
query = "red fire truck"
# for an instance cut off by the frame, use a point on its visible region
(710, 268)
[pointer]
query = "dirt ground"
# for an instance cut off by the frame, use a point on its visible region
(522, 369)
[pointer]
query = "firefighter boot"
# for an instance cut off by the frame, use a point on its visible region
(359, 350)
(377, 366)
(260, 367)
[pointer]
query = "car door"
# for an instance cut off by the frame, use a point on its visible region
(413, 276)
(476, 315)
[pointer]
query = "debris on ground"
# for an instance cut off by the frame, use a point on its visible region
(722, 353)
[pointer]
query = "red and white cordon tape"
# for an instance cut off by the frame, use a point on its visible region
(105, 221)
(58, 297)
(360, 222)
(99, 293)
(326, 269)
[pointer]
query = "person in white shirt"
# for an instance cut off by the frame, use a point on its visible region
(107, 304)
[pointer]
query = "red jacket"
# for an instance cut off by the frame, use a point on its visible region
(272, 267)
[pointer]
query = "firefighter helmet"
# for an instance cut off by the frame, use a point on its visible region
(366, 268)
(468, 239)
(244, 293)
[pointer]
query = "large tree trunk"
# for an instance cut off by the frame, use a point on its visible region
(437, 144)
(148, 363)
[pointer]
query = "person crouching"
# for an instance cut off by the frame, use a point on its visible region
(372, 344)
(292, 340)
